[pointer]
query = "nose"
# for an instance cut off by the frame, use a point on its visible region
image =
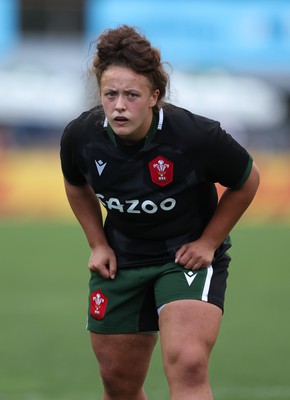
(120, 104)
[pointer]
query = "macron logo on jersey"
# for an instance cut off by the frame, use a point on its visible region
(100, 166)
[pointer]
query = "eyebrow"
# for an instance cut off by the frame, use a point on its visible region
(125, 90)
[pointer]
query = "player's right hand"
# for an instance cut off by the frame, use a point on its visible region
(103, 262)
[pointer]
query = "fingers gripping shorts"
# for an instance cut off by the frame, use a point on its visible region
(129, 303)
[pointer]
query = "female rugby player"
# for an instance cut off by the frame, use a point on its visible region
(159, 262)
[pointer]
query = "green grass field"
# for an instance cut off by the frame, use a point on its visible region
(44, 348)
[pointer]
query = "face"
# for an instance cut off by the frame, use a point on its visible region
(128, 99)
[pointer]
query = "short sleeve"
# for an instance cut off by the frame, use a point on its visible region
(229, 163)
(69, 154)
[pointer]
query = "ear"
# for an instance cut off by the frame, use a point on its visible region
(154, 97)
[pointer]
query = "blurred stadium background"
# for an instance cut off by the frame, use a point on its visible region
(230, 61)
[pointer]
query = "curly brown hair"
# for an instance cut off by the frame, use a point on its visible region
(126, 47)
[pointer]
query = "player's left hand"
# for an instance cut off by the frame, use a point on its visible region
(195, 255)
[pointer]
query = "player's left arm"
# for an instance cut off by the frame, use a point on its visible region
(232, 205)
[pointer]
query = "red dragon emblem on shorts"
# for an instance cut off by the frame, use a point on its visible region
(98, 304)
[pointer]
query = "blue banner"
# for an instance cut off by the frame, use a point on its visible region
(8, 24)
(248, 34)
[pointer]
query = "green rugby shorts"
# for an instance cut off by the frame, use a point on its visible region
(130, 302)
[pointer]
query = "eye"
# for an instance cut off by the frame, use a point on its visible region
(132, 95)
(111, 94)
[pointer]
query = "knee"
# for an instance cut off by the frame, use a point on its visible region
(119, 383)
(189, 367)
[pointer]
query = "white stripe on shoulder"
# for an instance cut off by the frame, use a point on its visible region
(161, 117)
(105, 123)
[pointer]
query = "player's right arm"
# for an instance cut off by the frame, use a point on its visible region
(87, 210)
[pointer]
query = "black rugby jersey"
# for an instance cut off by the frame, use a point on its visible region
(160, 193)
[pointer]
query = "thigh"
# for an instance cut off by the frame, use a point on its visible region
(124, 356)
(188, 327)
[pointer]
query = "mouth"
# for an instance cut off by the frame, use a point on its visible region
(121, 120)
